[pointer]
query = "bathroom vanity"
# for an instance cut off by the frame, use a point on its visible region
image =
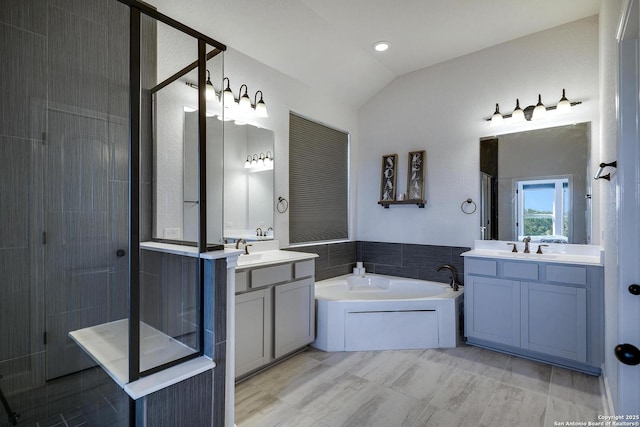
(274, 307)
(546, 307)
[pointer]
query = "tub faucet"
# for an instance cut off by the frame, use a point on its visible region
(244, 242)
(454, 283)
(526, 241)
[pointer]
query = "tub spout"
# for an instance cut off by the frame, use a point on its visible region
(454, 283)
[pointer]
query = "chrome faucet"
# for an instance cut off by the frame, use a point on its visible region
(526, 241)
(259, 232)
(454, 283)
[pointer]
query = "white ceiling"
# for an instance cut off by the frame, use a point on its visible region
(327, 44)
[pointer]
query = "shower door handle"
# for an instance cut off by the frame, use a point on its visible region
(120, 253)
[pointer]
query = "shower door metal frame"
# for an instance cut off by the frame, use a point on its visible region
(135, 91)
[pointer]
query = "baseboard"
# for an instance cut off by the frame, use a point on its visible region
(605, 392)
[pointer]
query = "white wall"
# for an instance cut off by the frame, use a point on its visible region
(442, 109)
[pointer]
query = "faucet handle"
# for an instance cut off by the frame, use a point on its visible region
(514, 247)
(527, 239)
(539, 251)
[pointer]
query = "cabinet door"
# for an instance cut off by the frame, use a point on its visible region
(492, 309)
(253, 330)
(294, 316)
(554, 320)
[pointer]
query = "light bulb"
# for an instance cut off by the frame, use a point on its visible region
(518, 115)
(564, 106)
(540, 112)
(496, 119)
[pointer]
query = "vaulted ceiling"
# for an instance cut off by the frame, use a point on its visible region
(327, 44)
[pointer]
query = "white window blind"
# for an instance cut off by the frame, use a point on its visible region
(318, 182)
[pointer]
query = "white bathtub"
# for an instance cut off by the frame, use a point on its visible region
(374, 312)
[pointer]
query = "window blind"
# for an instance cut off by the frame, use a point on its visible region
(318, 182)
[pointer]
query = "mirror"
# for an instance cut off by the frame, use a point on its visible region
(248, 192)
(247, 208)
(536, 183)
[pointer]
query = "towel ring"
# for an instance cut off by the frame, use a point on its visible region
(282, 205)
(468, 211)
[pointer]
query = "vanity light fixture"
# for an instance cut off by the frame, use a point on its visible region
(260, 106)
(532, 112)
(259, 162)
(211, 92)
(540, 112)
(227, 95)
(518, 115)
(244, 102)
(496, 119)
(564, 106)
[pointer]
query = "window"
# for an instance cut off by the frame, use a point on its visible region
(318, 182)
(543, 210)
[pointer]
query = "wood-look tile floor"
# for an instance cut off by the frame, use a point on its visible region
(463, 386)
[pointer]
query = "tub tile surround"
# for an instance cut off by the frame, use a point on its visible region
(394, 259)
(463, 386)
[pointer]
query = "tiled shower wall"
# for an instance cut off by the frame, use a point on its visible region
(394, 259)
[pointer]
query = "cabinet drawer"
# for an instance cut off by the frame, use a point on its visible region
(567, 274)
(304, 269)
(242, 281)
(270, 275)
(520, 270)
(480, 266)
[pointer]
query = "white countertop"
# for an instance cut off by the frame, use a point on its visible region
(555, 252)
(262, 258)
(108, 345)
(190, 251)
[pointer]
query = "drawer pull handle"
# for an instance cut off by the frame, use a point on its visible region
(627, 354)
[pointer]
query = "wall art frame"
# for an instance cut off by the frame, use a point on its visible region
(416, 175)
(388, 177)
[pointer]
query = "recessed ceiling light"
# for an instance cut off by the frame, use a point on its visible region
(381, 46)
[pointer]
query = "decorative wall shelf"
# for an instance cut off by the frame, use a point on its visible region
(385, 203)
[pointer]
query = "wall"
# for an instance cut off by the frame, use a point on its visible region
(442, 108)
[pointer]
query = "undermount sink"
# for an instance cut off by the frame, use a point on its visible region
(527, 255)
(250, 257)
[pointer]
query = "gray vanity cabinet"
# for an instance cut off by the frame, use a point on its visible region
(544, 311)
(294, 316)
(275, 313)
(493, 310)
(253, 330)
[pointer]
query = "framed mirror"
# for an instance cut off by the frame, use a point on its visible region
(536, 184)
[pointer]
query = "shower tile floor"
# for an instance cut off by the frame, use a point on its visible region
(88, 398)
(463, 386)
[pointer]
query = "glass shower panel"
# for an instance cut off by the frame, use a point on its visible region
(215, 153)
(170, 271)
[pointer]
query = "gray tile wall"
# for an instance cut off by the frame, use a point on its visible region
(411, 260)
(395, 259)
(185, 404)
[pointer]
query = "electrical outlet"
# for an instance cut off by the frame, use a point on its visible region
(172, 233)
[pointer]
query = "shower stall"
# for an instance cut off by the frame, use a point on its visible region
(93, 305)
